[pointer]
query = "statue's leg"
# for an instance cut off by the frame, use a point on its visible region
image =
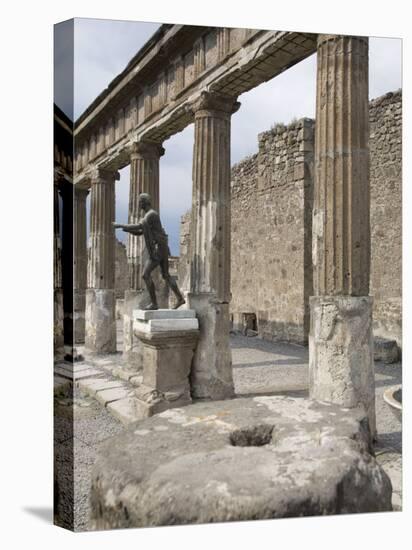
(147, 277)
(164, 266)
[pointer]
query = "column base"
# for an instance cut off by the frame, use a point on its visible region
(341, 368)
(211, 376)
(79, 328)
(58, 332)
(100, 321)
(168, 339)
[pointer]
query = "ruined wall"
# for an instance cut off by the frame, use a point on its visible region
(385, 115)
(271, 233)
(272, 195)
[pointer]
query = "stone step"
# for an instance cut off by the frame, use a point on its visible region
(124, 410)
(74, 376)
(114, 394)
(92, 386)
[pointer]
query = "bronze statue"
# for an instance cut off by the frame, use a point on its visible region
(156, 241)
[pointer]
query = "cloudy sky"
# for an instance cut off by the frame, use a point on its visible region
(103, 48)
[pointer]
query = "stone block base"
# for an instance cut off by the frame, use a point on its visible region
(100, 321)
(341, 368)
(132, 352)
(239, 459)
(385, 350)
(168, 339)
(211, 376)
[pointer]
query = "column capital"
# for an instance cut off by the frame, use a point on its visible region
(322, 38)
(81, 192)
(146, 150)
(100, 175)
(214, 102)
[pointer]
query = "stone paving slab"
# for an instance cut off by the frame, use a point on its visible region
(124, 410)
(91, 386)
(78, 367)
(107, 396)
(87, 373)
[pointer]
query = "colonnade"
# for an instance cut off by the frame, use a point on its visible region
(340, 337)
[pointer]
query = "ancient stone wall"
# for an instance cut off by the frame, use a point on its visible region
(271, 233)
(272, 195)
(385, 115)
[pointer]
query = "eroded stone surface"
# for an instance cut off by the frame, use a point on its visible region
(181, 467)
(341, 368)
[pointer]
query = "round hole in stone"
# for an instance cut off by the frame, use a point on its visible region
(252, 436)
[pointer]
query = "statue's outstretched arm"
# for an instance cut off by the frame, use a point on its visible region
(134, 229)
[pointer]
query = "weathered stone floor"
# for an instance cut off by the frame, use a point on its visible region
(259, 367)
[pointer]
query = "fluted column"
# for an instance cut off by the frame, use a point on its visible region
(144, 178)
(341, 350)
(66, 190)
(100, 294)
(58, 339)
(210, 245)
(80, 262)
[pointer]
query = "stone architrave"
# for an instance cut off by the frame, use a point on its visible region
(144, 178)
(340, 342)
(168, 339)
(100, 294)
(80, 263)
(210, 246)
(58, 340)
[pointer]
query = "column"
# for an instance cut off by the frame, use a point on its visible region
(100, 294)
(144, 178)
(80, 262)
(66, 190)
(340, 341)
(58, 340)
(211, 376)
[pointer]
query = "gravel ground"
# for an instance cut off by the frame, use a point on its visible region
(259, 367)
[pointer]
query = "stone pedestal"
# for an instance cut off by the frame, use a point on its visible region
(168, 339)
(239, 459)
(211, 377)
(132, 351)
(341, 367)
(101, 321)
